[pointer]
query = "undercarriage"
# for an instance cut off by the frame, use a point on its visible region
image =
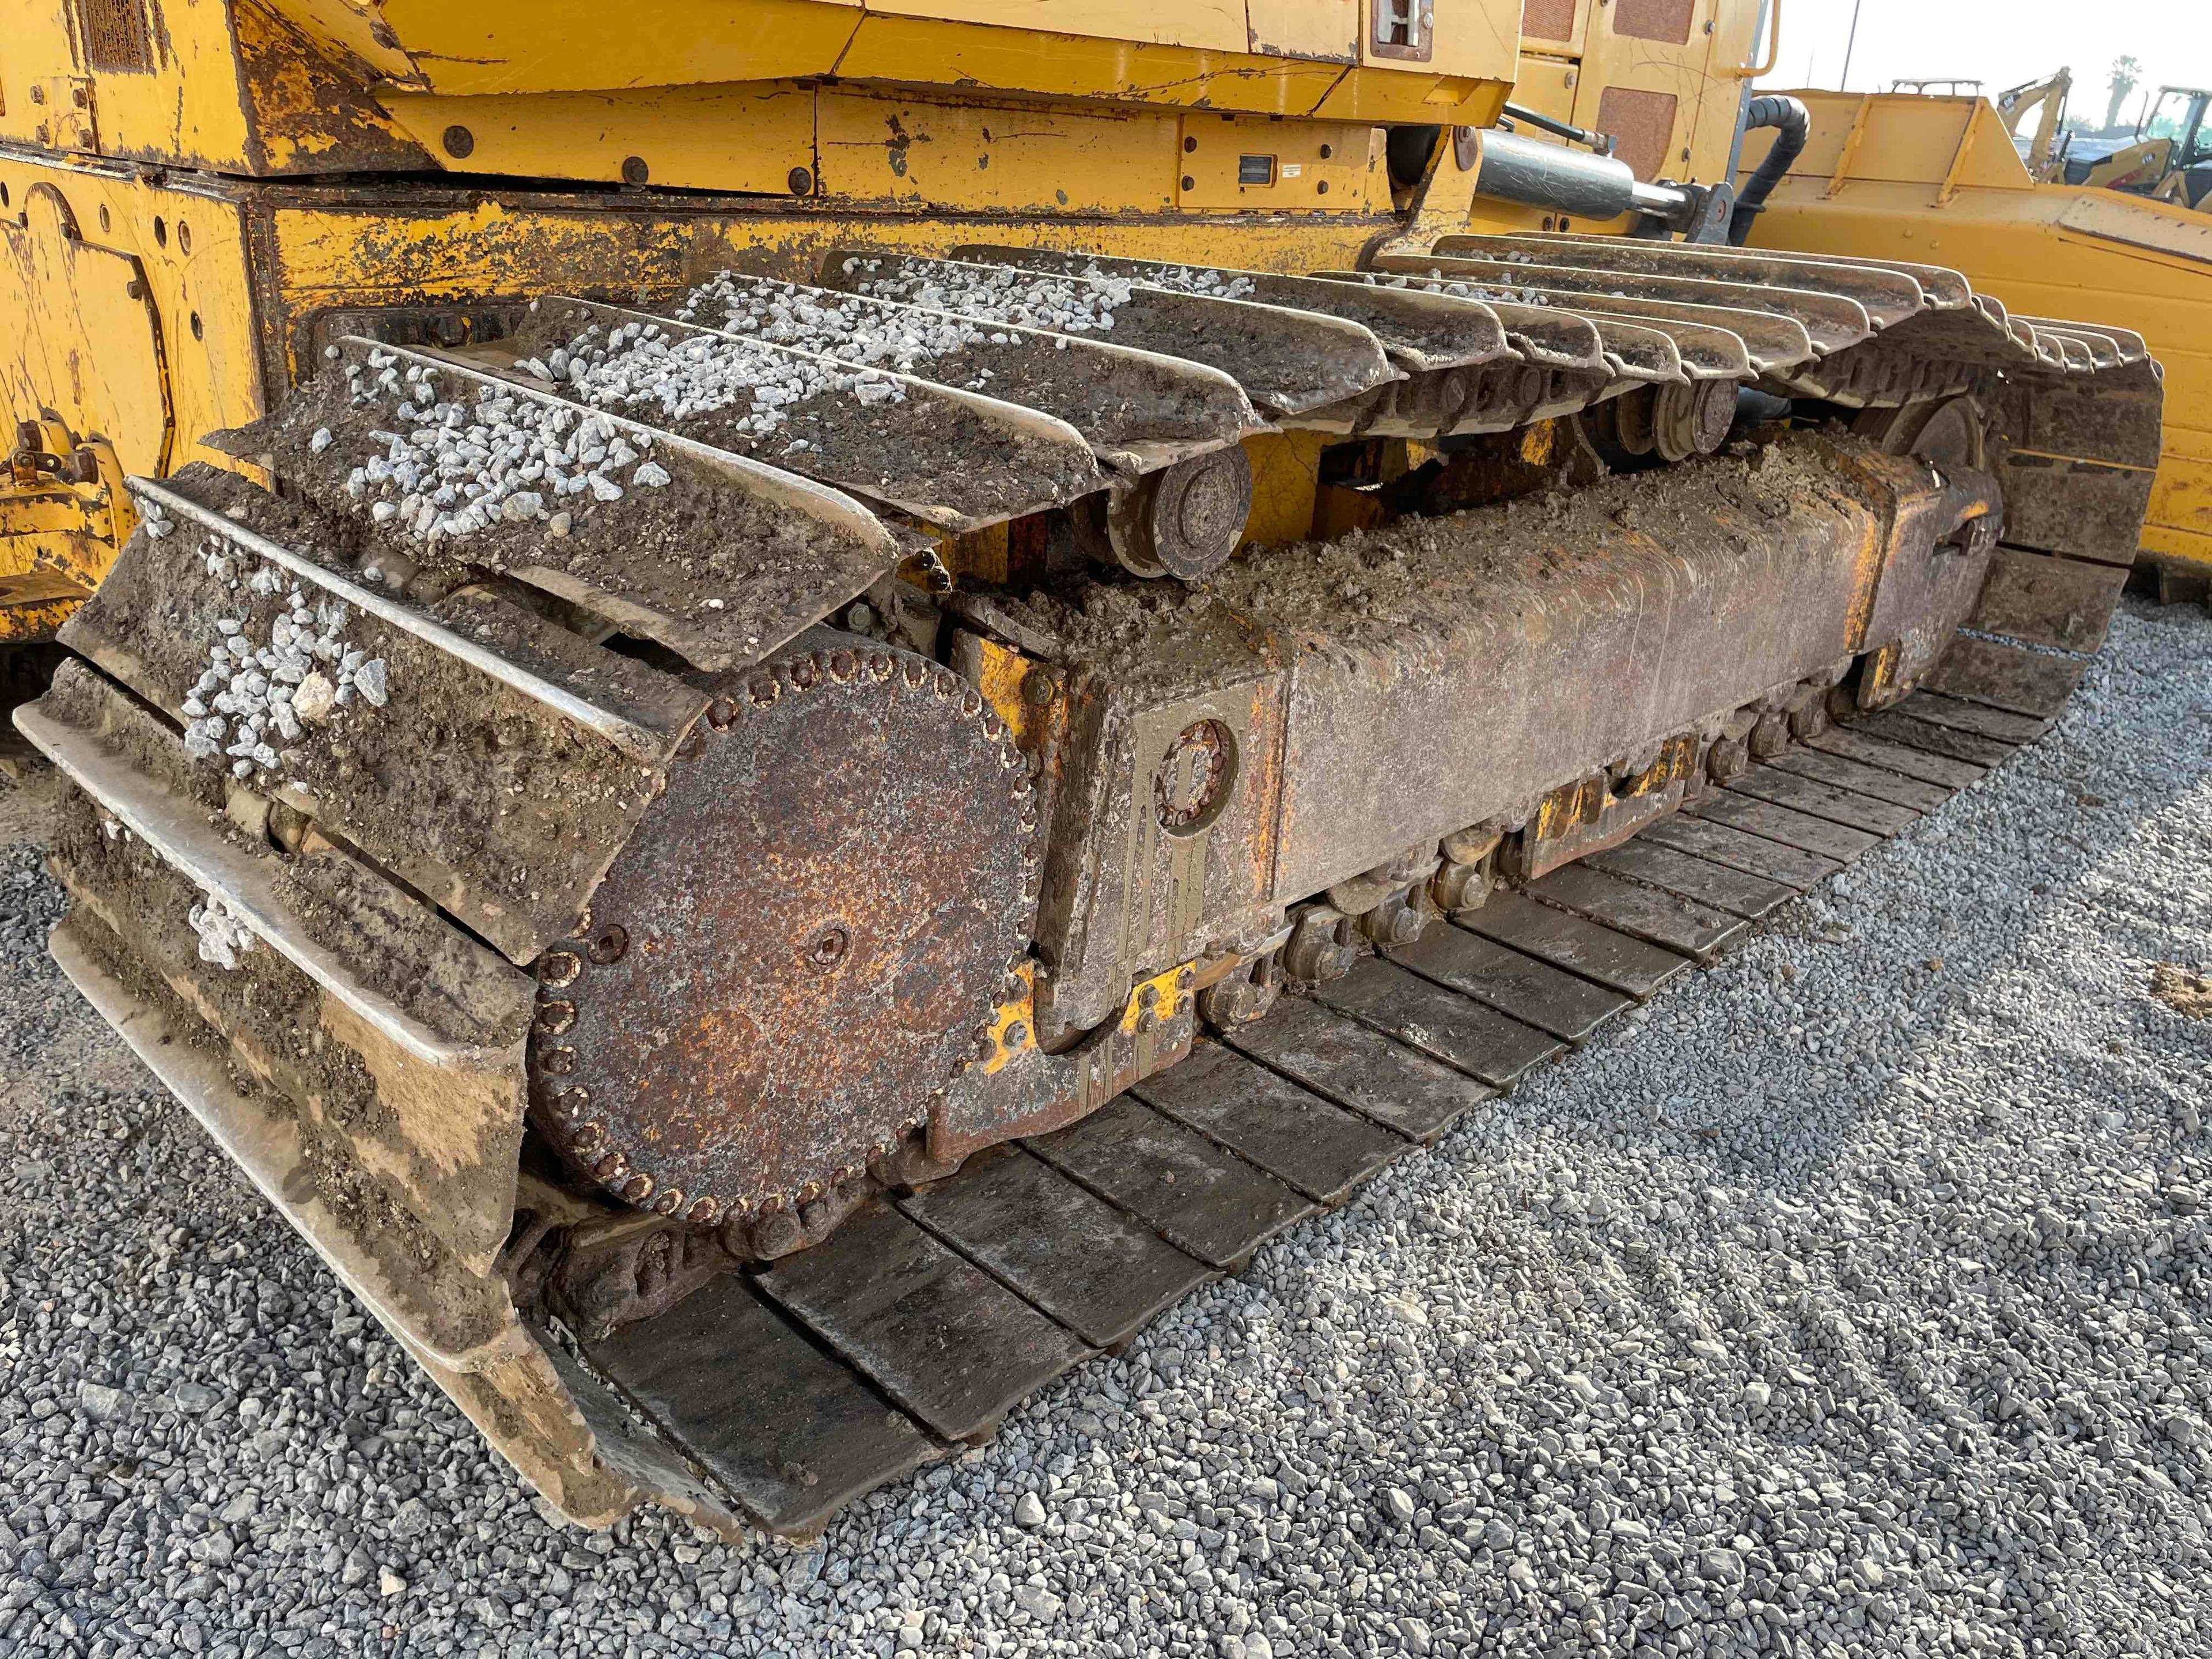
(655, 876)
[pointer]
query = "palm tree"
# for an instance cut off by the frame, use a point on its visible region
(2126, 71)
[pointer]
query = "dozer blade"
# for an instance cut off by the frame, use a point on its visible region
(742, 1057)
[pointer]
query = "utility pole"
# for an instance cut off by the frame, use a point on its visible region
(1851, 43)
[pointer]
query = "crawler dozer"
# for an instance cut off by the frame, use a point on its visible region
(784, 713)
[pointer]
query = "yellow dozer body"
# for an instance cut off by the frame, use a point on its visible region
(1902, 177)
(713, 675)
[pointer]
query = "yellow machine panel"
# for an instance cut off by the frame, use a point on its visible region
(1937, 180)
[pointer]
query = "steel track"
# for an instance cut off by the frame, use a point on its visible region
(931, 1315)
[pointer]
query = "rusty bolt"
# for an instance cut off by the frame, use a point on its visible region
(828, 948)
(637, 1189)
(634, 171)
(669, 1202)
(556, 1015)
(1727, 760)
(460, 143)
(586, 1138)
(80, 467)
(611, 945)
(1771, 736)
(559, 968)
(1238, 1001)
(1393, 922)
(557, 1062)
(801, 182)
(721, 713)
(1016, 1034)
(1037, 685)
(1460, 886)
(1146, 1022)
(1809, 721)
(763, 690)
(704, 1209)
(843, 666)
(1315, 954)
(612, 1168)
(568, 1104)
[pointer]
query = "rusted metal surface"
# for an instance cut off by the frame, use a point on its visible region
(2041, 600)
(1646, 913)
(1091, 1267)
(1357, 1068)
(487, 780)
(802, 943)
(1471, 1037)
(806, 928)
(1287, 360)
(2008, 677)
(1294, 1134)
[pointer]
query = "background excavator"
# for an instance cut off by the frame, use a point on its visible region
(786, 712)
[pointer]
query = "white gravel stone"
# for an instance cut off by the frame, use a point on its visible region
(1979, 1308)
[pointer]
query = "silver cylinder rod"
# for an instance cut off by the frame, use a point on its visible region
(1561, 180)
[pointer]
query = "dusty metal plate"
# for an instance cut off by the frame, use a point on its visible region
(1735, 892)
(1530, 990)
(1842, 773)
(1469, 1037)
(2032, 685)
(2003, 725)
(1576, 944)
(1678, 923)
(799, 944)
(1383, 1080)
(936, 1333)
(1851, 743)
(1792, 866)
(1091, 1267)
(1932, 738)
(1780, 824)
(1208, 1201)
(1292, 1133)
(793, 1433)
(1825, 801)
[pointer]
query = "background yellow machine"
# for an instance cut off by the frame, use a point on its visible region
(713, 674)
(1904, 176)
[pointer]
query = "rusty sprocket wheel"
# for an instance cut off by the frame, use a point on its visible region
(801, 943)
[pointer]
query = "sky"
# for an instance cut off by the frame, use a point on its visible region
(2000, 43)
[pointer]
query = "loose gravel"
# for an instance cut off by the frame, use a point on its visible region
(1851, 1300)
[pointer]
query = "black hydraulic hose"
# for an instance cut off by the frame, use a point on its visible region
(1793, 124)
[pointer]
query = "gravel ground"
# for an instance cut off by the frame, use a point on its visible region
(1848, 1302)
